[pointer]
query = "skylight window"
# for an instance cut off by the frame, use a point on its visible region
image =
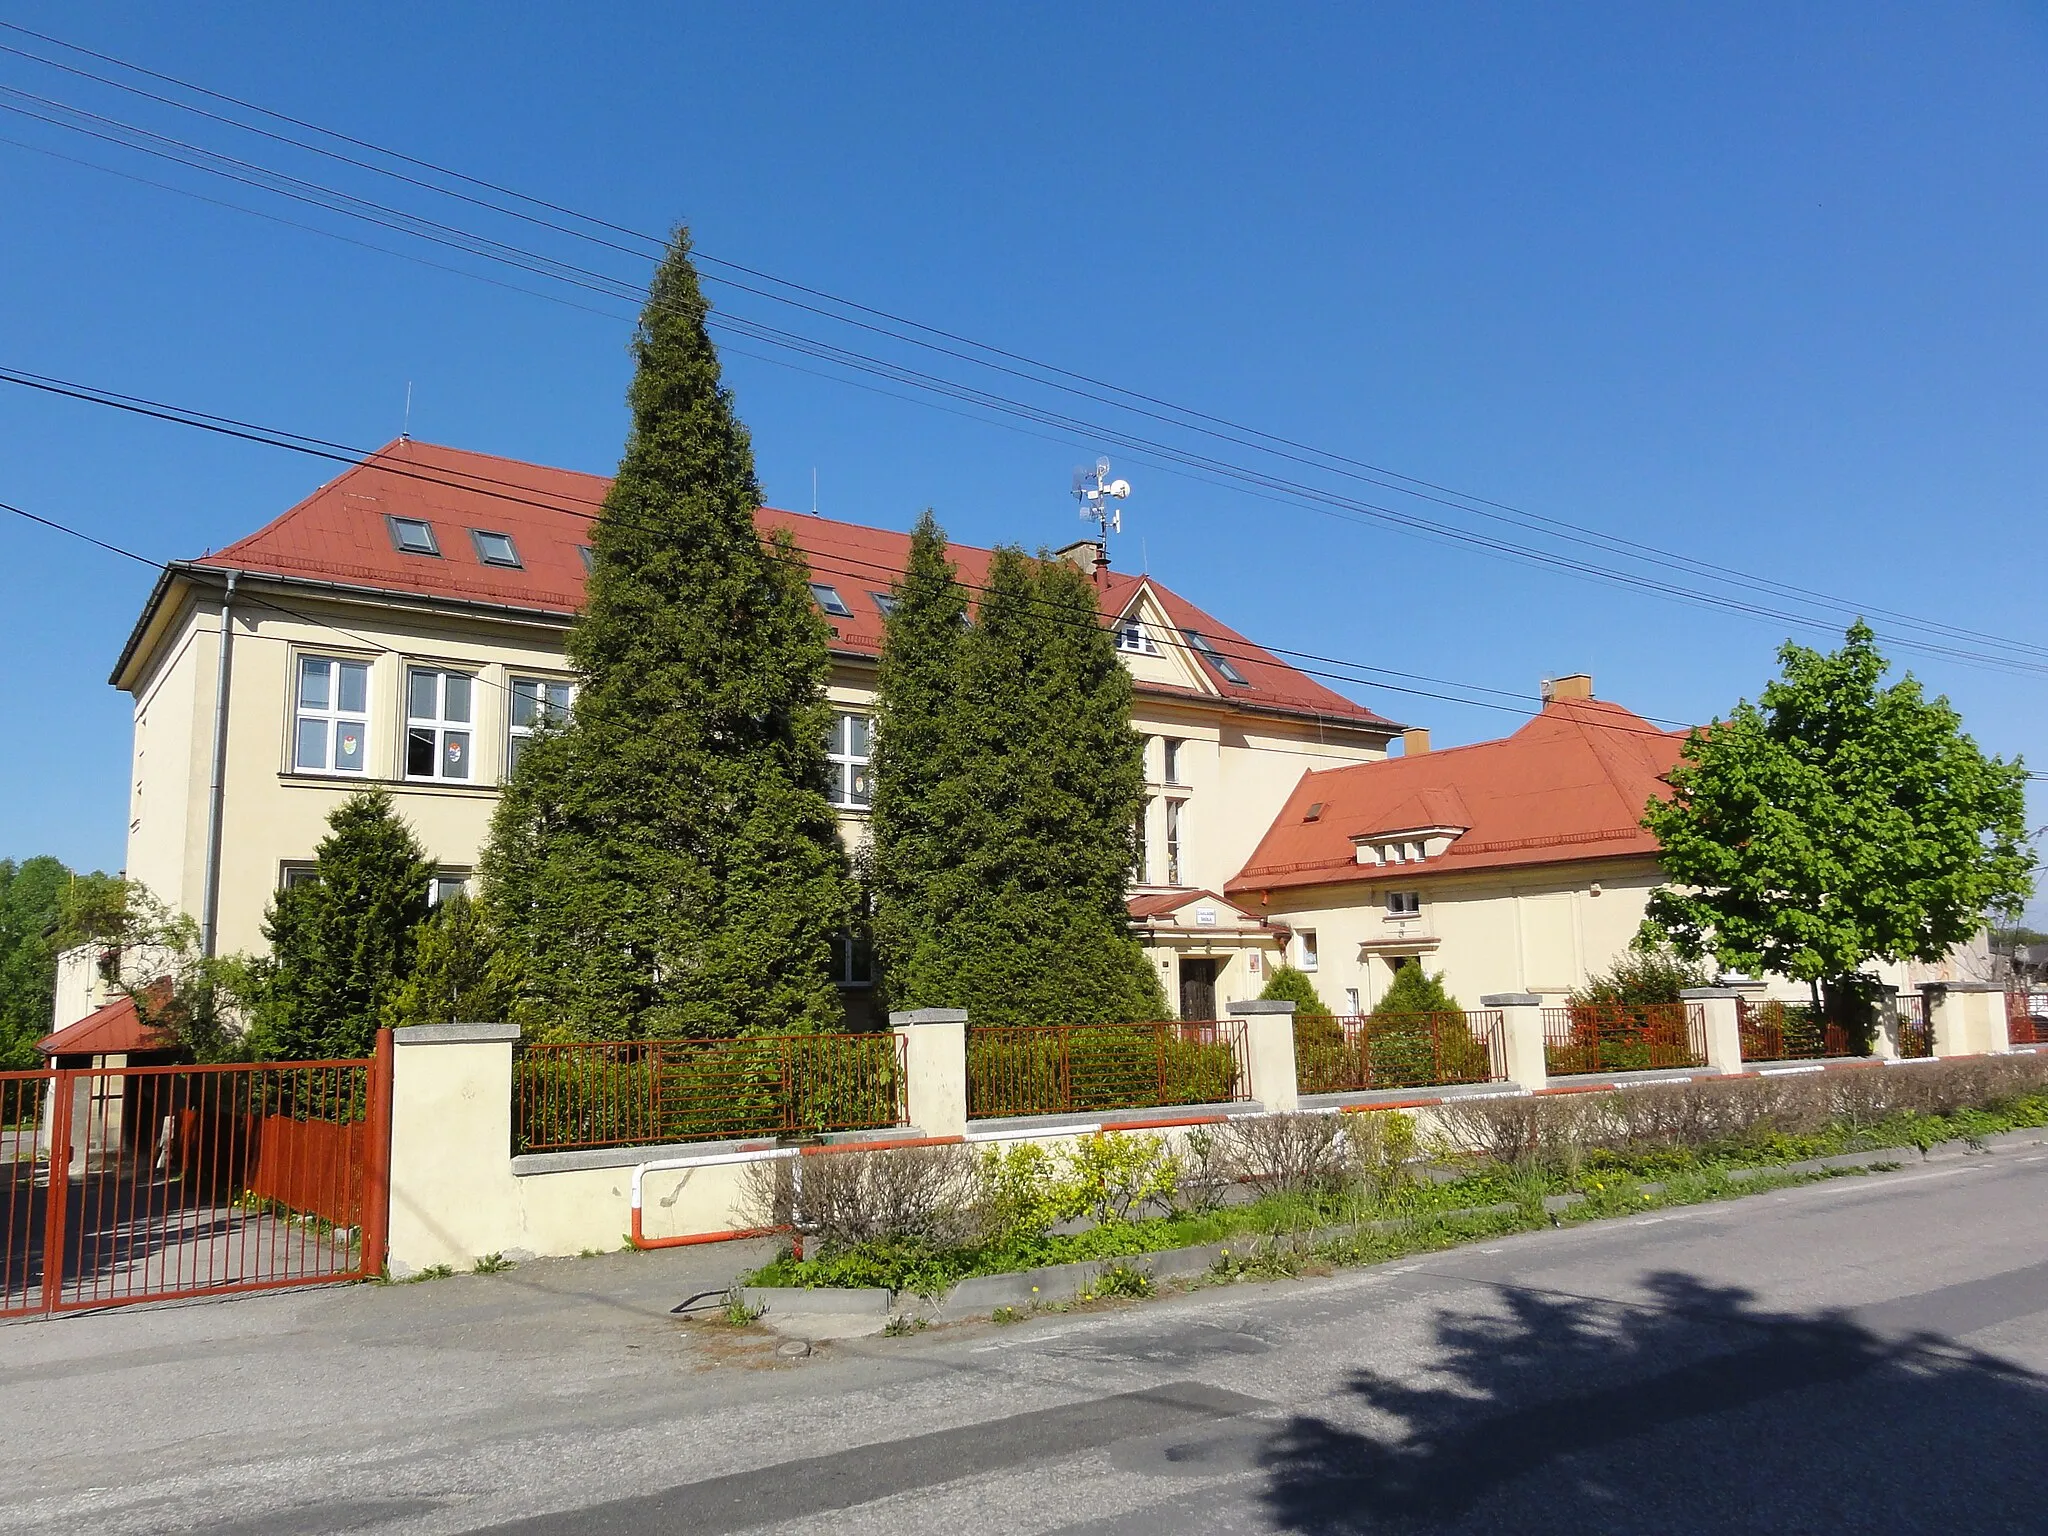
(495, 548)
(884, 602)
(412, 536)
(1315, 812)
(1215, 658)
(584, 551)
(830, 600)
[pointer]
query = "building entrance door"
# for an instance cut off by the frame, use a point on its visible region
(1198, 989)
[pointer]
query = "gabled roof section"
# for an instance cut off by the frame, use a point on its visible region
(1569, 785)
(114, 1030)
(342, 536)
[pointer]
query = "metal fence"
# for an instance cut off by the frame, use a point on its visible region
(2026, 1016)
(1054, 1069)
(1403, 1050)
(1774, 1031)
(620, 1093)
(1602, 1037)
(127, 1184)
(1916, 1031)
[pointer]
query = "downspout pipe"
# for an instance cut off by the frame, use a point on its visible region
(216, 789)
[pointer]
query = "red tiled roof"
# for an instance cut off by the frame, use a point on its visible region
(1159, 903)
(1569, 785)
(339, 536)
(116, 1029)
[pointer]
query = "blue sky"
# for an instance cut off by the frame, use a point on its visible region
(1758, 285)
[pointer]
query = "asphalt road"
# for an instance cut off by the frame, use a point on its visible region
(1868, 1355)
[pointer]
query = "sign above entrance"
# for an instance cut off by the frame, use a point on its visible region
(1205, 917)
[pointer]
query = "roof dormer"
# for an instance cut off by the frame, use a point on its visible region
(1405, 845)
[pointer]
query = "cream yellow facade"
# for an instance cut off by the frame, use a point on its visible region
(1217, 771)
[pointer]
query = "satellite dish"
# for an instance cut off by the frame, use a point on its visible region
(1118, 489)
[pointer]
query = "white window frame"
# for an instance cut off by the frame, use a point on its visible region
(1404, 903)
(1141, 866)
(850, 769)
(1169, 759)
(442, 727)
(853, 962)
(1351, 1003)
(1134, 637)
(515, 733)
(332, 715)
(1305, 946)
(1175, 863)
(458, 878)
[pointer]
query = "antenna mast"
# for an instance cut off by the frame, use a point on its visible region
(1094, 490)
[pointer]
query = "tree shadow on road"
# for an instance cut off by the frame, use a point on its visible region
(1694, 1411)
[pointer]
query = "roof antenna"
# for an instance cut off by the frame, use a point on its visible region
(405, 431)
(814, 490)
(1094, 489)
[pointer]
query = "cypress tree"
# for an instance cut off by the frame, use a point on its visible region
(667, 863)
(342, 945)
(1027, 921)
(914, 818)
(454, 974)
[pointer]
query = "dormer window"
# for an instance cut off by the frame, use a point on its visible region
(495, 548)
(830, 600)
(411, 536)
(1215, 658)
(1131, 637)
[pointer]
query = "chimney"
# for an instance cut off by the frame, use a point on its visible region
(1085, 554)
(1577, 685)
(1415, 741)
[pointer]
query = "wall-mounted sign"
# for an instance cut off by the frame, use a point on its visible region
(1205, 917)
(1252, 962)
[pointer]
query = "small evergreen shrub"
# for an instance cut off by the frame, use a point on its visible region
(1289, 985)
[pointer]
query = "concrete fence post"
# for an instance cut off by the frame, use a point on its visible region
(1521, 1028)
(1269, 1053)
(452, 1196)
(935, 1068)
(1721, 1021)
(1884, 1039)
(1967, 1017)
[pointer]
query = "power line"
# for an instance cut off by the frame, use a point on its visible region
(490, 249)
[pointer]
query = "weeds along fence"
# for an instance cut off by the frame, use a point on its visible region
(1605, 1037)
(1404, 1050)
(616, 1093)
(1774, 1031)
(1057, 1069)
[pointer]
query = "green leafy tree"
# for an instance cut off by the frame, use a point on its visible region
(343, 944)
(1414, 990)
(31, 905)
(915, 819)
(667, 863)
(1835, 821)
(1027, 919)
(456, 974)
(1287, 984)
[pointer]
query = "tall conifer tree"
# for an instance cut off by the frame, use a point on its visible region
(914, 820)
(666, 862)
(1026, 921)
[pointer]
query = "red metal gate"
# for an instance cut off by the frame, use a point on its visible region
(121, 1184)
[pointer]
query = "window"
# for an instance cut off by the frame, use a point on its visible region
(1141, 864)
(1215, 658)
(584, 551)
(1305, 938)
(1351, 1001)
(536, 702)
(1314, 812)
(848, 753)
(447, 883)
(1404, 903)
(494, 548)
(1169, 751)
(1131, 636)
(413, 537)
(884, 603)
(437, 719)
(830, 600)
(294, 875)
(853, 961)
(331, 725)
(1173, 810)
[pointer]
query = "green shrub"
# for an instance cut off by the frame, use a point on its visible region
(1414, 990)
(1644, 973)
(1288, 985)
